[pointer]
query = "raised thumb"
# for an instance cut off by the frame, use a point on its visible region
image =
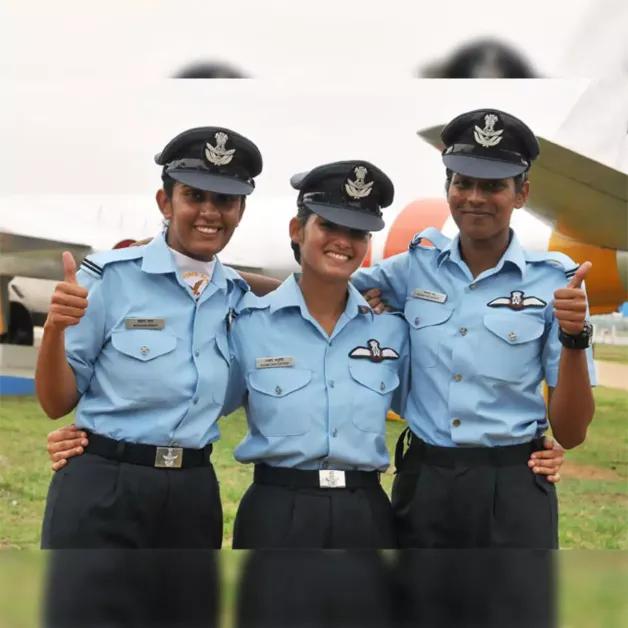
(581, 273)
(69, 267)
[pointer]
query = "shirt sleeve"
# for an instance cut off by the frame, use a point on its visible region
(551, 353)
(390, 276)
(236, 388)
(83, 342)
(400, 396)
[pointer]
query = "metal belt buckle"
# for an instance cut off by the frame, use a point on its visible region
(330, 478)
(169, 457)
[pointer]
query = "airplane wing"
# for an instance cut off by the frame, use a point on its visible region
(35, 257)
(583, 199)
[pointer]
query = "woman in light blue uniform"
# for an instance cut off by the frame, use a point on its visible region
(137, 341)
(489, 321)
(319, 370)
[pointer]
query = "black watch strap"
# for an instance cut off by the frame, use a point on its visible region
(577, 341)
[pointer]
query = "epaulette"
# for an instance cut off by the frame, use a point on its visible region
(433, 235)
(95, 263)
(234, 277)
(553, 258)
(250, 301)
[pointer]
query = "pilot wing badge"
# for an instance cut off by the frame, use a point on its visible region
(517, 301)
(373, 352)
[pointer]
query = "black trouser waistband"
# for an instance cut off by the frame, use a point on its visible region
(325, 478)
(418, 451)
(148, 455)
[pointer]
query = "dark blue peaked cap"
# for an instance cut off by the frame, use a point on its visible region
(488, 144)
(347, 193)
(212, 158)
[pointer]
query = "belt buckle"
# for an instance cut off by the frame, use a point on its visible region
(169, 457)
(330, 478)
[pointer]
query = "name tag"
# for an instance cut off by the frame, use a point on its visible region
(428, 295)
(145, 323)
(271, 363)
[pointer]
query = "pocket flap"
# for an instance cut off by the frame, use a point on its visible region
(377, 377)
(515, 329)
(420, 313)
(143, 344)
(279, 382)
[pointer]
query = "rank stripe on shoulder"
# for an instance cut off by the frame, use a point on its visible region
(572, 272)
(91, 266)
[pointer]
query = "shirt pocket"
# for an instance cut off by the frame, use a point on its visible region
(511, 348)
(275, 406)
(142, 366)
(426, 321)
(372, 398)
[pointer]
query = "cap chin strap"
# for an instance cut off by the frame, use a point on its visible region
(496, 154)
(195, 165)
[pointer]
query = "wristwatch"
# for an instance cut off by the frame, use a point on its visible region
(577, 341)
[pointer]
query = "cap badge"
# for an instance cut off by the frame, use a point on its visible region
(488, 136)
(359, 188)
(219, 155)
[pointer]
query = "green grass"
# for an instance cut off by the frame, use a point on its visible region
(593, 494)
(611, 353)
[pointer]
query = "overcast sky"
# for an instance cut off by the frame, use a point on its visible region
(353, 40)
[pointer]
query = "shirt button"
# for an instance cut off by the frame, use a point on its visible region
(144, 350)
(456, 422)
(417, 320)
(334, 433)
(197, 353)
(473, 286)
(512, 336)
(382, 386)
(278, 390)
(331, 383)
(457, 377)
(195, 400)
(463, 331)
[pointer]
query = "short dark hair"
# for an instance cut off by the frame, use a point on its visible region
(519, 180)
(168, 184)
(303, 213)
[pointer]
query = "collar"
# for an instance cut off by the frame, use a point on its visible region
(158, 259)
(289, 294)
(513, 254)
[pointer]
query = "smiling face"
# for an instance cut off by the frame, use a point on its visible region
(201, 223)
(327, 249)
(482, 207)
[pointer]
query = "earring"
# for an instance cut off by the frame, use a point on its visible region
(165, 223)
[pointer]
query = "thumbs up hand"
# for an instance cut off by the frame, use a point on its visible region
(69, 299)
(570, 303)
(69, 267)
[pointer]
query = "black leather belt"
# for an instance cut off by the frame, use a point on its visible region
(148, 455)
(323, 478)
(419, 451)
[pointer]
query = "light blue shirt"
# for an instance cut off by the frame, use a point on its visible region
(315, 401)
(480, 348)
(151, 362)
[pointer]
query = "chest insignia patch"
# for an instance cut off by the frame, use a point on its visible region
(374, 352)
(517, 301)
